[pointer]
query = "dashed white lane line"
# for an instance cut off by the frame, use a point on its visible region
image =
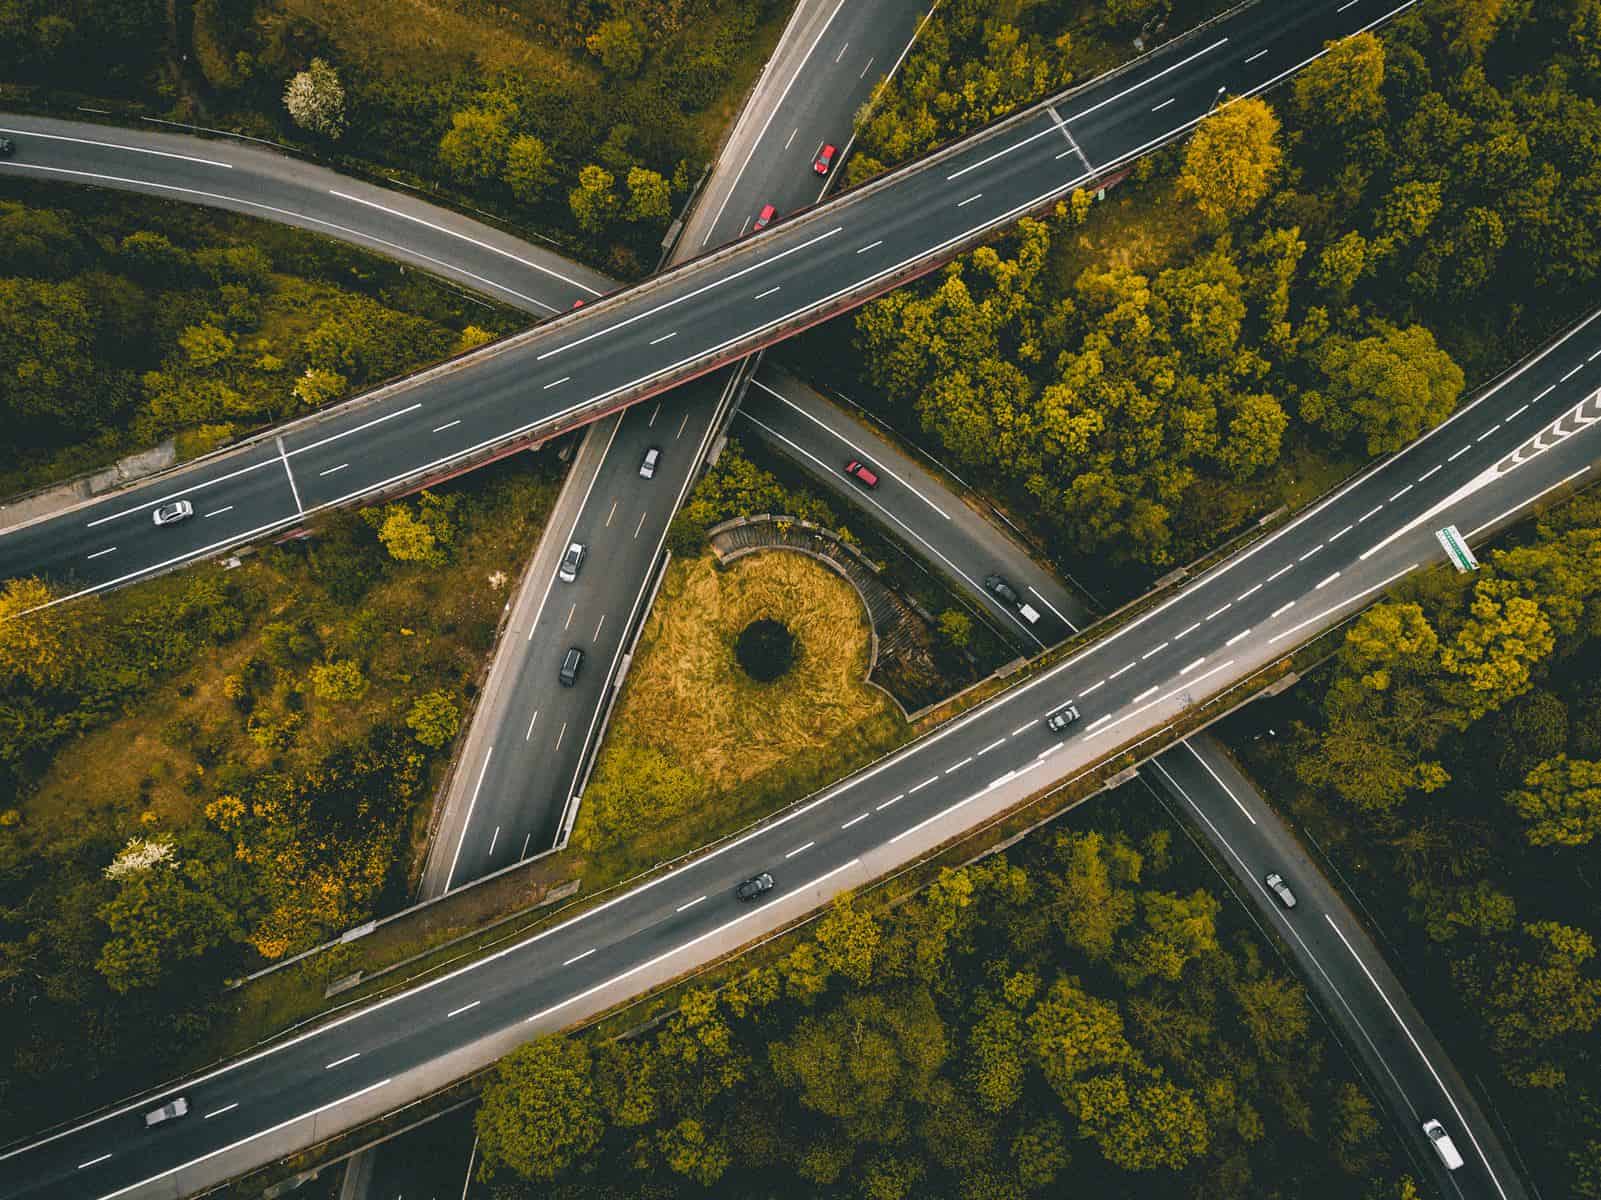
(217, 512)
(1310, 553)
(1572, 373)
(1370, 513)
(855, 819)
(1024, 728)
(98, 553)
(919, 787)
(1281, 610)
(578, 957)
(1192, 666)
(217, 1112)
(1459, 453)
(456, 1012)
(1254, 57)
(1244, 633)
(1148, 692)
(770, 291)
(1284, 570)
(691, 904)
(1165, 103)
(1401, 493)
(1218, 612)
(969, 200)
(339, 1062)
(887, 803)
(1327, 581)
(334, 470)
(1186, 633)
(954, 767)
(1437, 467)
(1250, 591)
(800, 849)
(666, 337)
(871, 246)
(1093, 687)
(556, 383)
(93, 1161)
(993, 745)
(447, 425)
(1121, 670)
(1154, 650)
(1345, 531)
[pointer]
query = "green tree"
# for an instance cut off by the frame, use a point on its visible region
(338, 681)
(1342, 88)
(539, 1114)
(618, 46)
(434, 718)
(649, 199)
(530, 169)
(593, 201)
(1561, 802)
(476, 144)
(1231, 160)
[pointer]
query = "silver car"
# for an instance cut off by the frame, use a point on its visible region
(171, 514)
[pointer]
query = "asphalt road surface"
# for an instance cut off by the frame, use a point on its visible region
(641, 341)
(1518, 441)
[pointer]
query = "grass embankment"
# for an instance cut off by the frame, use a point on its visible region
(697, 748)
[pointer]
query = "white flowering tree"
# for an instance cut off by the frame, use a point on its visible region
(316, 99)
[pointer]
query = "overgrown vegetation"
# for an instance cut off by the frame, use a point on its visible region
(1272, 303)
(698, 747)
(124, 320)
(1452, 759)
(207, 771)
(590, 118)
(1085, 1009)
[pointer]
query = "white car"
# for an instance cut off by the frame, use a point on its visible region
(171, 514)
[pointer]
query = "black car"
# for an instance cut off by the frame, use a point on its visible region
(752, 888)
(997, 586)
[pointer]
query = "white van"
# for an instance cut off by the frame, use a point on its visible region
(1443, 1145)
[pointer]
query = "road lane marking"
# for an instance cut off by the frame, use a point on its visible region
(871, 246)
(1281, 610)
(969, 200)
(334, 470)
(691, 904)
(93, 1161)
(666, 337)
(556, 383)
(1378, 587)
(580, 957)
(1244, 633)
(1327, 581)
(99, 553)
(1192, 666)
(800, 849)
(447, 425)
(456, 1012)
(763, 295)
(339, 1062)
(853, 820)
(1143, 695)
(217, 1112)
(471, 804)
(1227, 791)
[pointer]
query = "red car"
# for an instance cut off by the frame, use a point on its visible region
(764, 218)
(861, 473)
(824, 160)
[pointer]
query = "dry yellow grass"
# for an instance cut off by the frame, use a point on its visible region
(689, 698)
(440, 36)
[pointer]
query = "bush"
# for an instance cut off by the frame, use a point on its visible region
(766, 649)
